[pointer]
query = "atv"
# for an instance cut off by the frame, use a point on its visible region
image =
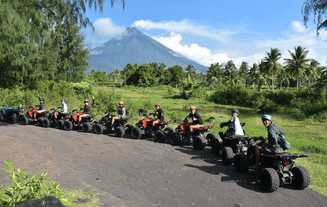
(144, 126)
(72, 122)
(274, 168)
(61, 118)
(41, 117)
(11, 114)
(120, 126)
(231, 144)
(182, 135)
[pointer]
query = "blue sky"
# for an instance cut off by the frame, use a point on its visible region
(211, 31)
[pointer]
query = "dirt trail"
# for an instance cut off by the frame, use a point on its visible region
(138, 173)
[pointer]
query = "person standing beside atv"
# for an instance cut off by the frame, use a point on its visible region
(87, 109)
(41, 108)
(197, 121)
(159, 113)
(64, 108)
(234, 123)
(274, 139)
(121, 113)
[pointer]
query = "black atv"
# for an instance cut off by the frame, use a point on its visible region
(231, 144)
(61, 118)
(10, 114)
(274, 169)
(119, 128)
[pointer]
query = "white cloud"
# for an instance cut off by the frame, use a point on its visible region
(200, 54)
(106, 28)
(297, 27)
(95, 52)
(188, 28)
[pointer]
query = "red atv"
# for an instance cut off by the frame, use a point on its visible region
(85, 123)
(182, 135)
(144, 126)
(42, 117)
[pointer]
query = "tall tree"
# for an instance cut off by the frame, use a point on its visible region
(262, 75)
(271, 61)
(254, 74)
(297, 64)
(190, 72)
(215, 73)
(312, 71)
(243, 72)
(319, 8)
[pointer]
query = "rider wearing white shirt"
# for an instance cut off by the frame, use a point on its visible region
(234, 124)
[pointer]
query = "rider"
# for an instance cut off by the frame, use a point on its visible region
(121, 113)
(41, 108)
(197, 121)
(159, 113)
(234, 123)
(274, 134)
(87, 109)
(64, 108)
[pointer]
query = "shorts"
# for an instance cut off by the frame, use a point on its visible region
(41, 111)
(86, 115)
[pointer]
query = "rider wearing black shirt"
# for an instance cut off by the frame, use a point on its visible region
(87, 109)
(197, 121)
(159, 113)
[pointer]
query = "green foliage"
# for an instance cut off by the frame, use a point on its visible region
(99, 77)
(31, 188)
(235, 94)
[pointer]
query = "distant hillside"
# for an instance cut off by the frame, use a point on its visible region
(136, 47)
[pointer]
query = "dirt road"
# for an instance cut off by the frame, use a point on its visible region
(138, 173)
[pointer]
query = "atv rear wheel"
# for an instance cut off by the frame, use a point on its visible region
(98, 129)
(87, 127)
(128, 128)
(67, 126)
(175, 138)
(22, 119)
(60, 124)
(228, 155)
(13, 118)
(119, 131)
(301, 177)
(269, 180)
(211, 137)
(199, 142)
(159, 136)
(46, 122)
(241, 163)
(136, 133)
(40, 121)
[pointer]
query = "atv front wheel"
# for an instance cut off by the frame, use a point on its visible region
(67, 126)
(87, 127)
(159, 136)
(98, 129)
(136, 133)
(241, 163)
(119, 131)
(199, 143)
(228, 155)
(128, 128)
(269, 180)
(301, 177)
(215, 146)
(23, 120)
(46, 122)
(60, 124)
(175, 138)
(40, 121)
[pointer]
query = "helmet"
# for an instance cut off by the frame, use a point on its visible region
(120, 102)
(86, 101)
(192, 107)
(63, 100)
(266, 117)
(42, 99)
(158, 104)
(235, 110)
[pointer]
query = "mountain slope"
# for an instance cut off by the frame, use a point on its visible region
(136, 47)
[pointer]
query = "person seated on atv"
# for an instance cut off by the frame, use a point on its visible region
(121, 113)
(87, 110)
(41, 108)
(197, 121)
(234, 124)
(274, 134)
(158, 113)
(64, 108)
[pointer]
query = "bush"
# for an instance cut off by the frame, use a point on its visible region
(232, 95)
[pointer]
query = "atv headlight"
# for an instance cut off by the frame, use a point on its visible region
(244, 148)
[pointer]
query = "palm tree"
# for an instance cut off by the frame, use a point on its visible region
(229, 68)
(254, 73)
(262, 79)
(215, 70)
(297, 63)
(271, 61)
(243, 72)
(312, 70)
(282, 76)
(190, 72)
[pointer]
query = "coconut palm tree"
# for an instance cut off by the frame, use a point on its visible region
(297, 63)
(312, 71)
(215, 70)
(243, 72)
(271, 61)
(254, 73)
(262, 75)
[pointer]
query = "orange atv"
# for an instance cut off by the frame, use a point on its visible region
(41, 117)
(85, 124)
(144, 126)
(182, 135)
